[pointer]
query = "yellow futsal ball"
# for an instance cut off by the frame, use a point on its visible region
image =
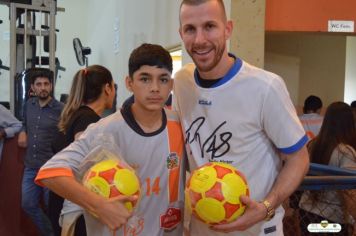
(110, 179)
(213, 193)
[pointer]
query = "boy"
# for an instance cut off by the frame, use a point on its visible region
(149, 138)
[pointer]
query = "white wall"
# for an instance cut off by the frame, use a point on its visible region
(321, 63)
(288, 68)
(4, 53)
(71, 24)
(350, 70)
(152, 21)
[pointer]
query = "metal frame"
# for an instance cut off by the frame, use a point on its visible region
(325, 177)
(51, 10)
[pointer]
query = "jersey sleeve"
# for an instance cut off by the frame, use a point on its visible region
(280, 120)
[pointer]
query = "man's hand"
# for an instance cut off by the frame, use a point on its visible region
(22, 139)
(112, 212)
(254, 213)
(2, 134)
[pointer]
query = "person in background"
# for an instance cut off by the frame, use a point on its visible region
(311, 118)
(40, 119)
(149, 138)
(9, 126)
(91, 93)
(335, 145)
(236, 113)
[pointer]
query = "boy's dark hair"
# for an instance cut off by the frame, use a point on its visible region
(41, 73)
(149, 55)
(312, 104)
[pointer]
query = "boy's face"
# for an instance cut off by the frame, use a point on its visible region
(151, 87)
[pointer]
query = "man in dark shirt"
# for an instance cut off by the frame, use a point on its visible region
(41, 116)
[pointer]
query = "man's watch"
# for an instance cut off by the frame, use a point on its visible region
(270, 210)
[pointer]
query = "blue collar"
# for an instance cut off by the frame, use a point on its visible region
(229, 75)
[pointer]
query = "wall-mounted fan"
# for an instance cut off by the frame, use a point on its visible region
(81, 52)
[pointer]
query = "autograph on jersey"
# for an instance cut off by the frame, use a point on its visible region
(215, 145)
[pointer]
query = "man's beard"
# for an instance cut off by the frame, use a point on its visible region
(43, 95)
(206, 68)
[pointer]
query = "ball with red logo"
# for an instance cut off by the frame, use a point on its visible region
(213, 193)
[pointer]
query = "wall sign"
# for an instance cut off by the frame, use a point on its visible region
(341, 26)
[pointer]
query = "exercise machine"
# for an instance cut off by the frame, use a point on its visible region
(32, 46)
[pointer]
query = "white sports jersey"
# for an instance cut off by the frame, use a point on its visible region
(245, 120)
(311, 123)
(158, 160)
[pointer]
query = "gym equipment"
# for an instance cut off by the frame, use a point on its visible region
(32, 24)
(3, 67)
(81, 52)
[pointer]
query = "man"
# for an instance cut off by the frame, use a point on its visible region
(311, 119)
(41, 116)
(235, 113)
(9, 126)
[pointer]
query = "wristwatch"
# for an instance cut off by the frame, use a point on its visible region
(270, 210)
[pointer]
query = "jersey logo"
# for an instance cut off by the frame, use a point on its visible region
(134, 227)
(172, 160)
(216, 144)
(204, 102)
(171, 218)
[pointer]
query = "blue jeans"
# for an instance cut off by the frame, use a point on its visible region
(31, 195)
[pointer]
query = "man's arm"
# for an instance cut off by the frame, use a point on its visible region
(22, 138)
(9, 125)
(111, 212)
(293, 171)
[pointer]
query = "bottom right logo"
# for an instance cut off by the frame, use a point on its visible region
(324, 227)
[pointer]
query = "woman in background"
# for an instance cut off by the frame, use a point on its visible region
(335, 145)
(91, 93)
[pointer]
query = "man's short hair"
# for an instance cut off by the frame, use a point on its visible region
(41, 73)
(312, 104)
(198, 2)
(150, 55)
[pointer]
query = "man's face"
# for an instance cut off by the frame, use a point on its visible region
(204, 31)
(42, 87)
(151, 87)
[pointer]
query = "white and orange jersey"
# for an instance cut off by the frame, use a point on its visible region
(158, 159)
(311, 123)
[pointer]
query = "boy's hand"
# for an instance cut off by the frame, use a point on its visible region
(254, 213)
(112, 212)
